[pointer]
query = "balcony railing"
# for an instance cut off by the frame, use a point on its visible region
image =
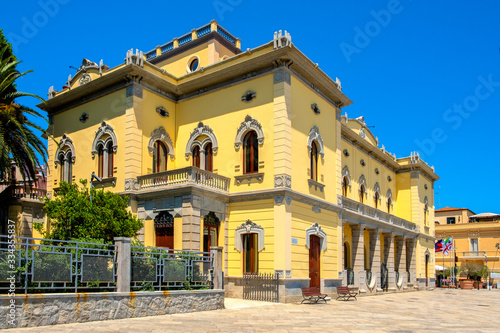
(21, 192)
(184, 176)
(363, 209)
(474, 254)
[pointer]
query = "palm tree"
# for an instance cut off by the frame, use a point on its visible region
(18, 143)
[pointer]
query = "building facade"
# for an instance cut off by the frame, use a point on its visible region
(247, 151)
(476, 238)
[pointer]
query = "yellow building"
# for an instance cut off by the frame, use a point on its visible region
(246, 151)
(475, 237)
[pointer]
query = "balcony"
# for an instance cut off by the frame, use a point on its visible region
(189, 176)
(21, 192)
(377, 214)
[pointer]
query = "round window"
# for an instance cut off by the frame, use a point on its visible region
(193, 65)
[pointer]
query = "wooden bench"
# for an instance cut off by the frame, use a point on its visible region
(313, 295)
(345, 293)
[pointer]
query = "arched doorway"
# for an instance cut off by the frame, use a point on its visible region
(314, 261)
(347, 256)
(164, 229)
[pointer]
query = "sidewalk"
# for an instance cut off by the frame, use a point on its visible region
(425, 311)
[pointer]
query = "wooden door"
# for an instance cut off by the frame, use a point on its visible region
(314, 257)
(426, 270)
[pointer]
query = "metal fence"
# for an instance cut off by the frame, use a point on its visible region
(261, 287)
(156, 268)
(36, 265)
(55, 265)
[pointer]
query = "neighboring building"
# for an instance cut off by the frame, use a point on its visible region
(21, 203)
(247, 151)
(476, 237)
(450, 215)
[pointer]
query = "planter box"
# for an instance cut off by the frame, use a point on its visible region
(466, 285)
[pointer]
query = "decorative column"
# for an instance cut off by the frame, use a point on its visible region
(389, 259)
(358, 256)
(412, 260)
(401, 259)
(374, 256)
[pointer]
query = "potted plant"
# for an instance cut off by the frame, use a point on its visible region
(474, 272)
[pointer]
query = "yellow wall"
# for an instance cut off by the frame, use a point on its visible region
(262, 213)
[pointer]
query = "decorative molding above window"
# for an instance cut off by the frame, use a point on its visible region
(162, 111)
(246, 126)
(376, 188)
(106, 182)
(345, 173)
(160, 134)
(248, 96)
(346, 153)
(105, 129)
(283, 180)
(316, 185)
(315, 108)
(164, 220)
(248, 227)
(362, 182)
(66, 147)
(316, 230)
(201, 129)
(389, 195)
(314, 135)
(259, 176)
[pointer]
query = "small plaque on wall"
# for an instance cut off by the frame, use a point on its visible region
(295, 241)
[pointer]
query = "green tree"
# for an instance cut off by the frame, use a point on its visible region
(72, 215)
(18, 142)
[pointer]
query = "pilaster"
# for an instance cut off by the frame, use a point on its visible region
(282, 122)
(282, 235)
(389, 258)
(133, 131)
(374, 255)
(358, 255)
(401, 258)
(191, 222)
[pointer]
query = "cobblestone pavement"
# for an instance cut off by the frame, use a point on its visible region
(439, 310)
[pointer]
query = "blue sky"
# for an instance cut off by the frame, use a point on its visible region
(425, 74)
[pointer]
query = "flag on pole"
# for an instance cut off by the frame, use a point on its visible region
(448, 246)
(439, 246)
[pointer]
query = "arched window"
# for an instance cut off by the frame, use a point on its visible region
(314, 161)
(65, 157)
(62, 176)
(109, 151)
(250, 153)
(164, 229)
(100, 161)
(345, 186)
(211, 224)
(196, 156)
(105, 159)
(362, 192)
(160, 153)
(389, 204)
(426, 210)
(376, 198)
(208, 157)
(105, 145)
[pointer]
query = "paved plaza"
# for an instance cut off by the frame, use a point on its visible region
(439, 310)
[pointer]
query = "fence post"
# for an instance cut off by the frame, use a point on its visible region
(123, 263)
(218, 273)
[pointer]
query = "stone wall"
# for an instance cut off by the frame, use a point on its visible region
(51, 309)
